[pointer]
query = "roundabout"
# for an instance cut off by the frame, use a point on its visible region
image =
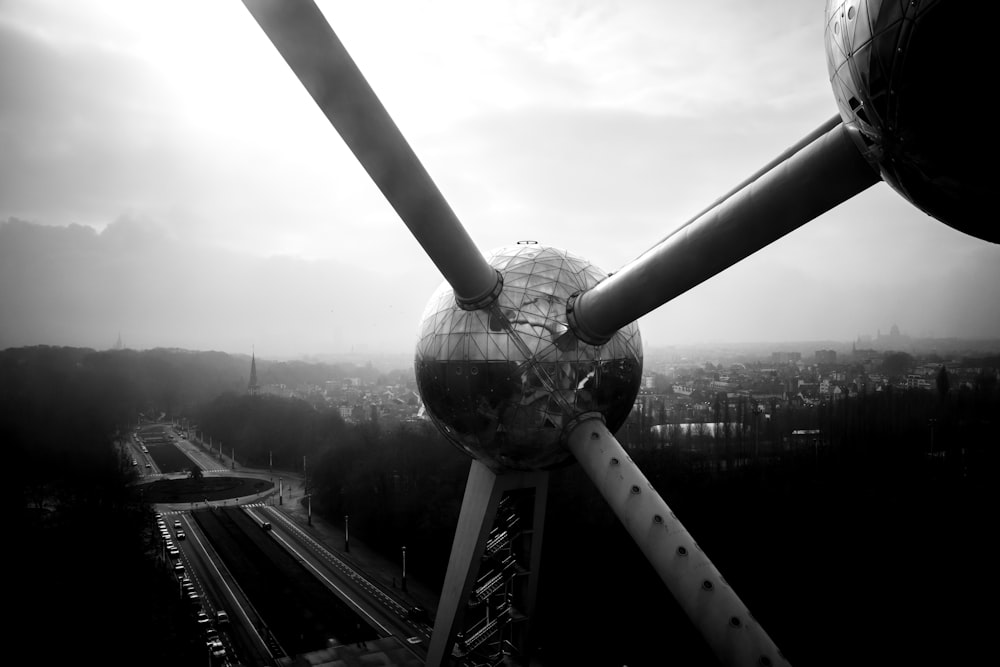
(190, 490)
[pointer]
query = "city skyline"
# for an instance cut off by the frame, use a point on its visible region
(165, 177)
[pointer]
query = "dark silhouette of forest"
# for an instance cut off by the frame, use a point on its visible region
(868, 541)
(81, 552)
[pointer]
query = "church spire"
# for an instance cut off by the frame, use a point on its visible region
(253, 388)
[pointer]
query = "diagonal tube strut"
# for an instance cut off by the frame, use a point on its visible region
(723, 620)
(784, 196)
(302, 35)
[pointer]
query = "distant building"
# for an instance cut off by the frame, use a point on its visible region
(721, 385)
(826, 356)
(914, 381)
(252, 387)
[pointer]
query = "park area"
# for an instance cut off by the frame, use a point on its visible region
(196, 490)
(294, 609)
(195, 487)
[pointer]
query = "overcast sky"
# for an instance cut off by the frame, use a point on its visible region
(165, 177)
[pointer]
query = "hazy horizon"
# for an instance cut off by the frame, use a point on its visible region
(165, 177)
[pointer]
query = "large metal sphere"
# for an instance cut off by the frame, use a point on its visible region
(503, 383)
(911, 82)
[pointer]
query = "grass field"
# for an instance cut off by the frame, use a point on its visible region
(207, 488)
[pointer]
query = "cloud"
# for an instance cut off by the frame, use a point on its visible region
(216, 207)
(74, 286)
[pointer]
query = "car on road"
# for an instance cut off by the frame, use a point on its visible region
(417, 614)
(221, 617)
(148, 465)
(217, 649)
(181, 535)
(177, 525)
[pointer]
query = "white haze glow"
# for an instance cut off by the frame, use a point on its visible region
(163, 174)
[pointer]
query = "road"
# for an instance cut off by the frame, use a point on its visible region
(318, 548)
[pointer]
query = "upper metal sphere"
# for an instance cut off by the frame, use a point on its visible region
(908, 76)
(502, 383)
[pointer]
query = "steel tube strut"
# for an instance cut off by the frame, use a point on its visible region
(723, 620)
(308, 44)
(811, 181)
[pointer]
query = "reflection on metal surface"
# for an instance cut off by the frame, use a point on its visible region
(502, 383)
(901, 73)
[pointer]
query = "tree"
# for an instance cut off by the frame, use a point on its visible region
(896, 364)
(942, 382)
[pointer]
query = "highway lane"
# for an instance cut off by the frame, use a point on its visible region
(379, 607)
(244, 641)
(381, 610)
(196, 454)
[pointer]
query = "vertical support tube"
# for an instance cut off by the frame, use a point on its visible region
(534, 563)
(714, 608)
(479, 508)
(483, 492)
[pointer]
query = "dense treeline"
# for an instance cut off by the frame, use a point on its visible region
(830, 545)
(870, 543)
(828, 540)
(269, 430)
(888, 415)
(170, 382)
(400, 487)
(82, 568)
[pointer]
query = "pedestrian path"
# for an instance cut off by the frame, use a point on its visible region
(384, 652)
(384, 571)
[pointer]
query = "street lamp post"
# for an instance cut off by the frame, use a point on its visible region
(309, 509)
(404, 569)
(305, 479)
(347, 534)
